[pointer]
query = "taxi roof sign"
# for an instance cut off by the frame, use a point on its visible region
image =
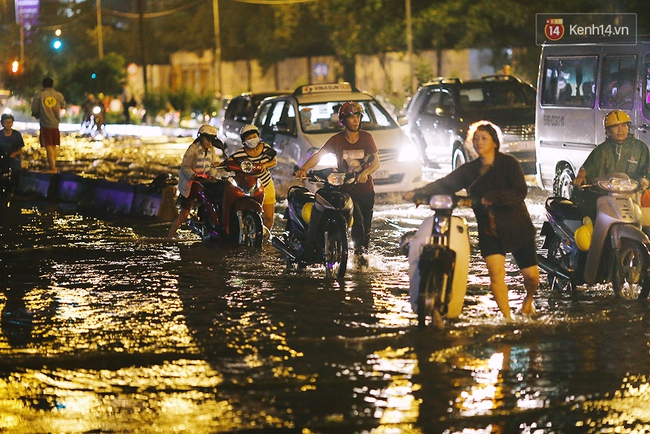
(326, 87)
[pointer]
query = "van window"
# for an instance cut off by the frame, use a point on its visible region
(617, 82)
(569, 81)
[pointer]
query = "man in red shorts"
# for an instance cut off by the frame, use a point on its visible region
(46, 107)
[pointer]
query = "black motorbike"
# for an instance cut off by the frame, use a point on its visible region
(318, 224)
(6, 178)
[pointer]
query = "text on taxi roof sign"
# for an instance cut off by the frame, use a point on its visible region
(333, 87)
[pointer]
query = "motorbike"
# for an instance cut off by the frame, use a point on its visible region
(613, 249)
(230, 208)
(438, 253)
(6, 177)
(93, 122)
(318, 224)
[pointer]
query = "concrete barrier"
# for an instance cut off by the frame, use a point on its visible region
(100, 194)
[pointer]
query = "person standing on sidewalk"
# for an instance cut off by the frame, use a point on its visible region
(46, 107)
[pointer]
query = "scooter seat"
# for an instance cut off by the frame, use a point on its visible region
(563, 208)
(300, 196)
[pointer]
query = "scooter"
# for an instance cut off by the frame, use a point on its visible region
(93, 123)
(613, 249)
(230, 208)
(318, 224)
(438, 255)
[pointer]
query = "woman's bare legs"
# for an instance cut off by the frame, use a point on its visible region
(496, 265)
(531, 282)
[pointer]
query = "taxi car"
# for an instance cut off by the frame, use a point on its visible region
(298, 124)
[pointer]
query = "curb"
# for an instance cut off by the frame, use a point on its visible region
(102, 195)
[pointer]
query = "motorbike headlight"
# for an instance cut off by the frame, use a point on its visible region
(336, 178)
(246, 166)
(408, 152)
(328, 160)
(618, 185)
(441, 201)
(97, 110)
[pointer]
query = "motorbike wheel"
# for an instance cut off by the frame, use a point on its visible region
(563, 182)
(253, 230)
(557, 255)
(429, 299)
(630, 274)
(335, 250)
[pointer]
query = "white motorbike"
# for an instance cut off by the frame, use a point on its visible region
(439, 262)
(613, 249)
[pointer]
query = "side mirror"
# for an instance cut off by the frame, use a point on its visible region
(405, 242)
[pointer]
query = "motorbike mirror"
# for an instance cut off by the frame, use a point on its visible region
(405, 242)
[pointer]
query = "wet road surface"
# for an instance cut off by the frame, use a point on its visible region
(108, 327)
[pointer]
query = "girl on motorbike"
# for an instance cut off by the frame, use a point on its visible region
(259, 152)
(200, 161)
(496, 183)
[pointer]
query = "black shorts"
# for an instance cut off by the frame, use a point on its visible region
(525, 256)
(186, 202)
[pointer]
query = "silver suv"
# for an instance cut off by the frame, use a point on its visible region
(442, 110)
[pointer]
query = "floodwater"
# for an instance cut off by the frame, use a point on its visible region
(108, 327)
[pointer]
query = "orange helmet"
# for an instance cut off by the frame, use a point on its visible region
(616, 117)
(349, 108)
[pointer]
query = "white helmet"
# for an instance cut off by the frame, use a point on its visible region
(246, 130)
(208, 130)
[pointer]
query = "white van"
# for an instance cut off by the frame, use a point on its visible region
(577, 86)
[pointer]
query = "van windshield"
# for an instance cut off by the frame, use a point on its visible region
(323, 117)
(484, 96)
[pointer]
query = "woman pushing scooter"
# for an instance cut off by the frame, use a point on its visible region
(496, 184)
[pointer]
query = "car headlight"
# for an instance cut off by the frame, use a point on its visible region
(408, 152)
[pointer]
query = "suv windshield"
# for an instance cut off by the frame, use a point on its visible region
(482, 96)
(323, 117)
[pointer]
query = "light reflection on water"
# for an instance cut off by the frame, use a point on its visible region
(105, 327)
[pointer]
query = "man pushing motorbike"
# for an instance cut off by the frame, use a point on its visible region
(620, 152)
(356, 152)
(200, 161)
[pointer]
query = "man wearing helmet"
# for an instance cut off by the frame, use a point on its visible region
(200, 161)
(620, 152)
(257, 151)
(356, 152)
(11, 144)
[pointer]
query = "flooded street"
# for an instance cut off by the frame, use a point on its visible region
(108, 327)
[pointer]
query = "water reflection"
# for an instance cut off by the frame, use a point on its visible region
(106, 327)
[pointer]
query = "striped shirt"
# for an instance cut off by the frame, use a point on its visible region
(267, 155)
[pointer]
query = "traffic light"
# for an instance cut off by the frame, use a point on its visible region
(15, 67)
(57, 44)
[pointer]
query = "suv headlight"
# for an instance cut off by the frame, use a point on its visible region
(408, 152)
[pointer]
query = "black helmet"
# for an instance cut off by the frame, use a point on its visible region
(6, 116)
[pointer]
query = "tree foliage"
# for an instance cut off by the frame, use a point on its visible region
(270, 33)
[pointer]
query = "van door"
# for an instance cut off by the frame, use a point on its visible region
(566, 122)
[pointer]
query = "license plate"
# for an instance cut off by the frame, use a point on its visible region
(380, 174)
